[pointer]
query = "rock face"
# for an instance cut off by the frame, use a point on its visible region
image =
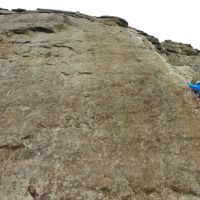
(90, 109)
(181, 54)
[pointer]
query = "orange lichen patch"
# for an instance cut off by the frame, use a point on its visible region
(4, 50)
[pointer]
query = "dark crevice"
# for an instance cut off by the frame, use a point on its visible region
(12, 146)
(20, 31)
(41, 29)
(86, 73)
(88, 125)
(26, 137)
(149, 191)
(65, 74)
(32, 191)
(16, 42)
(65, 46)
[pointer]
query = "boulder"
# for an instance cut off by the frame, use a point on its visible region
(91, 109)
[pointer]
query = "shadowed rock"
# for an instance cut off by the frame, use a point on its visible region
(110, 20)
(18, 10)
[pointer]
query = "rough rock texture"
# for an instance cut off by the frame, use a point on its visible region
(177, 54)
(181, 54)
(91, 110)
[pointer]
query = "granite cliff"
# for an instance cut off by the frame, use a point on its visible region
(92, 109)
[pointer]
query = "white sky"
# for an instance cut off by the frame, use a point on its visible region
(165, 19)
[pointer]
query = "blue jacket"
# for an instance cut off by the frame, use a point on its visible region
(194, 87)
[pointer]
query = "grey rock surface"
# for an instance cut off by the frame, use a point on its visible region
(91, 110)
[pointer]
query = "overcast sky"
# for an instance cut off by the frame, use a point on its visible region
(177, 20)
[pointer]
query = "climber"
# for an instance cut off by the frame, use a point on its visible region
(195, 88)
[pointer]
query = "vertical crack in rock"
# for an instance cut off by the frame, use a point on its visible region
(32, 191)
